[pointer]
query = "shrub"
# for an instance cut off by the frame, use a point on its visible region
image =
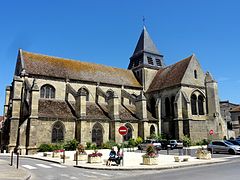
(186, 141)
(150, 152)
(91, 146)
(45, 148)
(71, 145)
(81, 149)
(57, 146)
(109, 144)
(138, 141)
(131, 143)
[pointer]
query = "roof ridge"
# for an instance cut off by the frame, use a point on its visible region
(75, 60)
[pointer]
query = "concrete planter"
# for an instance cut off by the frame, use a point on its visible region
(203, 155)
(56, 154)
(96, 159)
(81, 157)
(150, 161)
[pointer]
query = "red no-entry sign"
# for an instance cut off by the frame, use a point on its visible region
(123, 130)
(211, 132)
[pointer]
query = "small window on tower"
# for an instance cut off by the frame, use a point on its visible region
(150, 60)
(195, 74)
(158, 61)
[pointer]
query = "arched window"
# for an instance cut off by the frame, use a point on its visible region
(109, 93)
(172, 106)
(97, 134)
(129, 134)
(167, 107)
(200, 105)
(194, 104)
(195, 74)
(152, 106)
(47, 91)
(152, 130)
(58, 132)
(134, 96)
(83, 89)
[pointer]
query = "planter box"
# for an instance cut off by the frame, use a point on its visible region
(62, 156)
(56, 154)
(81, 157)
(94, 159)
(203, 156)
(150, 161)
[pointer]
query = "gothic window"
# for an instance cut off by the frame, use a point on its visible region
(47, 91)
(58, 132)
(152, 106)
(85, 90)
(129, 134)
(167, 107)
(150, 60)
(194, 104)
(172, 105)
(195, 74)
(158, 61)
(152, 130)
(97, 134)
(133, 95)
(200, 105)
(108, 94)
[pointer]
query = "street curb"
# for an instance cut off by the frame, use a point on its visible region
(150, 168)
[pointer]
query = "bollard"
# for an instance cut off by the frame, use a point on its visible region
(76, 158)
(180, 152)
(63, 156)
(11, 159)
(17, 159)
(168, 148)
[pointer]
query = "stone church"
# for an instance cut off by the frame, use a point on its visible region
(54, 99)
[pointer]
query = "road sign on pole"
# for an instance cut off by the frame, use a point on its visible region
(123, 130)
(211, 132)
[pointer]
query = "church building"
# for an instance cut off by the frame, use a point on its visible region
(54, 99)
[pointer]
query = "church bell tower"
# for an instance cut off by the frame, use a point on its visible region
(146, 60)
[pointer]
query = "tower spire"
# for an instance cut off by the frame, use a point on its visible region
(146, 53)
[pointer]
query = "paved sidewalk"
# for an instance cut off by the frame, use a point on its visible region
(8, 172)
(132, 161)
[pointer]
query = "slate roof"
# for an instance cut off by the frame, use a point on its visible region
(170, 75)
(37, 64)
(60, 109)
(145, 43)
(54, 109)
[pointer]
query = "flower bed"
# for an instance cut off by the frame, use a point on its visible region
(95, 157)
(150, 158)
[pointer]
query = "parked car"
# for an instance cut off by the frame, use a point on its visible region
(220, 146)
(164, 144)
(152, 142)
(176, 144)
(235, 142)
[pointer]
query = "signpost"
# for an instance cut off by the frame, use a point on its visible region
(211, 132)
(123, 130)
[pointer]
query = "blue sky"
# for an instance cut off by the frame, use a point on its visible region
(107, 31)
